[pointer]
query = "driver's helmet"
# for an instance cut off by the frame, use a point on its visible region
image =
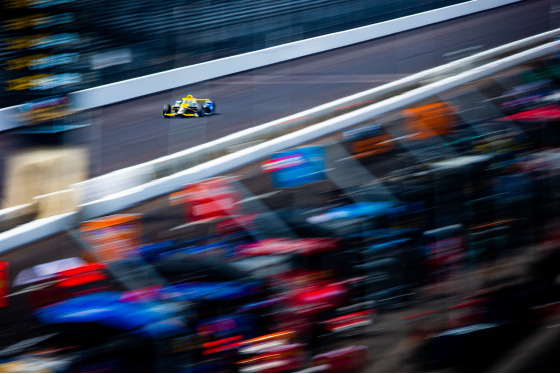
(178, 103)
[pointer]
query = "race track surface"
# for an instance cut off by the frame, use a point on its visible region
(134, 131)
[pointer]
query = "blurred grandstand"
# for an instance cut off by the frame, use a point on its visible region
(123, 40)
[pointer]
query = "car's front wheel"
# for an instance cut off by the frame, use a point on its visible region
(166, 110)
(210, 110)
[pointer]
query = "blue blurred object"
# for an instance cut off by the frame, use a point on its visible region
(158, 251)
(467, 329)
(229, 325)
(386, 233)
(106, 308)
(229, 250)
(150, 252)
(260, 304)
(362, 209)
(387, 244)
(210, 291)
(362, 132)
(406, 209)
(303, 165)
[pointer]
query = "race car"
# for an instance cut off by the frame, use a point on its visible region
(189, 107)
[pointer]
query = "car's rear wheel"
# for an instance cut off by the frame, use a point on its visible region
(166, 110)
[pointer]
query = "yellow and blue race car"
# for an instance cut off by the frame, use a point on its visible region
(189, 107)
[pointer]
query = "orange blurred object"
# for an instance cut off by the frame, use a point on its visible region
(113, 237)
(427, 121)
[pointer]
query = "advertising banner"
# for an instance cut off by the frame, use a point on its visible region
(297, 167)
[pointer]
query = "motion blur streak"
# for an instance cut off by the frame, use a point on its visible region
(426, 239)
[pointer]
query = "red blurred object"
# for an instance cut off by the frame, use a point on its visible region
(282, 246)
(318, 298)
(304, 303)
(216, 343)
(303, 295)
(467, 313)
(350, 321)
(550, 244)
(546, 311)
(236, 225)
(79, 281)
(309, 292)
(82, 275)
(343, 360)
(446, 253)
(209, 200)
(4, 284)
(220, 345)
(545, 113)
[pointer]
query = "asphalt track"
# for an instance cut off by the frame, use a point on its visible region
(133, 132)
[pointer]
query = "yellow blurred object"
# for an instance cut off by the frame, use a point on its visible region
(43, 176)
(22, 366)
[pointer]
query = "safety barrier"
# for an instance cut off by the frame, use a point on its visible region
(113, 93)
(120, 180)
(125, 199)
(36, 230)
